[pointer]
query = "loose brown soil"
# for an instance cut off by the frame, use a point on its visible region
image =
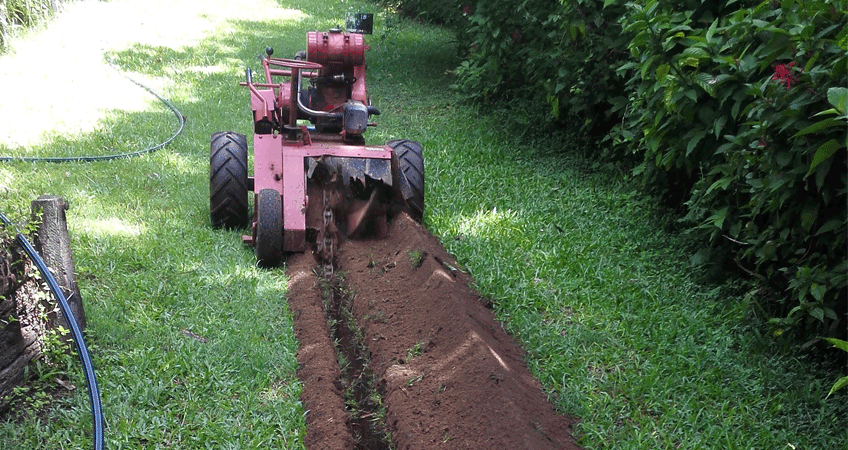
(449, 376)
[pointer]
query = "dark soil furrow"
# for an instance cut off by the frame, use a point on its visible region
(323, 399)
(448, 375)
(362, 392)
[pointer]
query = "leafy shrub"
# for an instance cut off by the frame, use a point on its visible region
(446, 12)
(734, 110)
(747, 107)
(504, 47)
(556, 60)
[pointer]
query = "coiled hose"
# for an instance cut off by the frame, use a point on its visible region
(82, 350)
(180, 119)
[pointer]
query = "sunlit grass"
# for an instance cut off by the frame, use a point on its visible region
(68, 57)
(112, 227)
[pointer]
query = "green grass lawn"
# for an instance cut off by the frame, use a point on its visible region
(585, 273)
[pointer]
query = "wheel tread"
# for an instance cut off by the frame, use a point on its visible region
(411, 164)
(269, 228)
(228, 204)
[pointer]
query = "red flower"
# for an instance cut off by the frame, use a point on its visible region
(466, 9)
(783, 75)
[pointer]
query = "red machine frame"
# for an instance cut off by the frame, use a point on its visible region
(279, 157)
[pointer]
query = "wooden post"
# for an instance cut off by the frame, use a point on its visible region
(54, 245)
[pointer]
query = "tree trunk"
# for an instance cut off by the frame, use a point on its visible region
(54, 244)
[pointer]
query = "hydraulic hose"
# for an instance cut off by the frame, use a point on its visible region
(64, 159)
(303, 107)
(82, 350)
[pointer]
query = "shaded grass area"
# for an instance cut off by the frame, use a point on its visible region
(585, 274)
(594, 280)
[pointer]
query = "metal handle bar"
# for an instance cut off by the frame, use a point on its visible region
(294, 63)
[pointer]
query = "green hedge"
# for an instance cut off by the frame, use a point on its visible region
(557, 60)
(734, 110)
(751, 106)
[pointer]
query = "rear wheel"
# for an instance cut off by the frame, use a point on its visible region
(410, 157)
(228, 180)
(269, 228)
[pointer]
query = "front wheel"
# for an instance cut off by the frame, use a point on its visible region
(410, 157)
(269, 228)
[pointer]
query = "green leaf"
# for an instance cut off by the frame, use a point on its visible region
(769, 251)
(818, 291)
(818, 313)
(838, 97)
(783, 158)
(838, 385)
(639, 24)
(718, 218)
(812, 61)
(704, 80)
(830, 314)
(711, 31)
(829, 226)
(690, 62)
(827, 111)
(821, 172)
(662, 72)
(695, 52)
(734, 110)
(820, 125)
(721, 183)
(838, 343)
(809, 215)
(647, 65)
(694, 141)
(718, 124)
(825, 151)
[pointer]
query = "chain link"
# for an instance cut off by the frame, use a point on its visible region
(327, 245)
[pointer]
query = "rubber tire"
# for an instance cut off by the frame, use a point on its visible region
(410, 157)
(228, 205)
(269, 228)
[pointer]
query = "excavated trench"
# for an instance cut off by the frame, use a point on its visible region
(399, 352)
(362, 391)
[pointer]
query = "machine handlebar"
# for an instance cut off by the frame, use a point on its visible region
(294, 63)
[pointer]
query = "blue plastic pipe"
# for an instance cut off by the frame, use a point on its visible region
(82, 350)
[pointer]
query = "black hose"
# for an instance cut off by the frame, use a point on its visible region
(177, 114)
(82, 350)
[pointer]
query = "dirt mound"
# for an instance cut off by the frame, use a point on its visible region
(448, 375)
